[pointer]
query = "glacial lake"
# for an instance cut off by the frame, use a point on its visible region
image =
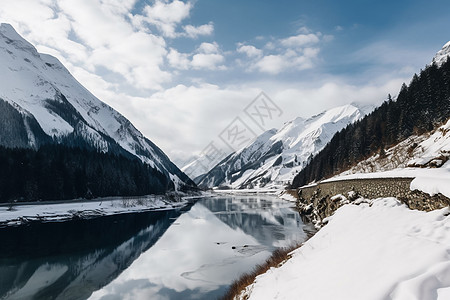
(190, 253)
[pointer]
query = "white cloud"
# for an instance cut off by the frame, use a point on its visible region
(294, 53)
(207, 61)
(300, 40)
(167, 15)
(178, 60)
(183, 120)
(272, 64)
(207, 56)
(289, 60)
(250, 51)
(270, 46)
(208, 48)
(194, 32)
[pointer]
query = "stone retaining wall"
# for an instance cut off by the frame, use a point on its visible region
(315, 201)
(367, 188)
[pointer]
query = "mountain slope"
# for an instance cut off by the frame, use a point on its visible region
(51, 106)
(442, 55)
(419, 108)
(274, 158)
(429, 150)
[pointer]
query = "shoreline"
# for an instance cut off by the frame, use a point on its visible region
(61, 211)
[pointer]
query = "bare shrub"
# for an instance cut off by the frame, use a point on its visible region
(275, 260)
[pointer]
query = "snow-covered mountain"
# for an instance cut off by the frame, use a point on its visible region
(43, 102)
(199, 165)
(442, 55)
(274, 158)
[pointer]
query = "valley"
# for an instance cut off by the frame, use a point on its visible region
(180, 149)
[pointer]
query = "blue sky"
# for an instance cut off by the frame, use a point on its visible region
(181, 71)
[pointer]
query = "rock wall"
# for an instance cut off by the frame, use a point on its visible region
(316, 202)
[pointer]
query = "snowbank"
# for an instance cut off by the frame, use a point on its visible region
(288, 197)
(434, 182)
(22, 214)
(380, 250)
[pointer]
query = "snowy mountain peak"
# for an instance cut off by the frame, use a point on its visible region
(53, 105)
(442, 55)
(274, 158)
(9, 35)
(333, 115)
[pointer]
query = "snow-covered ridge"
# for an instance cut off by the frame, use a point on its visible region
(40, 87)
(442, 55)
(276, 156)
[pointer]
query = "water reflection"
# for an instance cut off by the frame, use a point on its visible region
(211, 245)
(273, 223)
(107, 247)
(168, 255)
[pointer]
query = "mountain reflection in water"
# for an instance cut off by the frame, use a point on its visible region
(194, 254)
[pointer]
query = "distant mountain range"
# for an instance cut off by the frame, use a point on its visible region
(276, 156)
(44, 104)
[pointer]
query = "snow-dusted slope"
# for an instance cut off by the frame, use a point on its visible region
(442, 55)
(276, 156)
(426, 158)
(53, 104)
(429, 150)
(199, 165)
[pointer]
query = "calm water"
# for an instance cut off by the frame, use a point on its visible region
(194, 253)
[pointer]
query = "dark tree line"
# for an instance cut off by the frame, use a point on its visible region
(57, 172)
(419, 108)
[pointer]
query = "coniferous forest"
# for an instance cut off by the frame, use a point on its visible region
(57, 172)
(419, 107)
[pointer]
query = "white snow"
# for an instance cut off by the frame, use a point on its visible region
(434, 182)
(380, 250)
(22, 214)
(442, 55)
(288, 197)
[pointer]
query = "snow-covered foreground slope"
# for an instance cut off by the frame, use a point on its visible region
(274, 158)
(377, 250)
(53, 105)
